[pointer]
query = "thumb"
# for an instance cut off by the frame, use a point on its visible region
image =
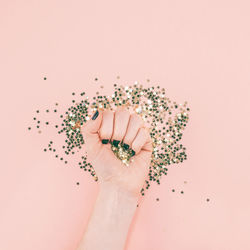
(90, 129)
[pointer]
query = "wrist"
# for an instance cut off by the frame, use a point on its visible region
(111, 218)
(110, 190)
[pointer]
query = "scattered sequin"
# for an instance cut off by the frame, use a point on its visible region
(166, 121)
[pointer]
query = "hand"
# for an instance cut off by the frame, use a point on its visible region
(124, 127)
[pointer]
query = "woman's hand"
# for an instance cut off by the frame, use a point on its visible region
(120, 185)
(124, 127)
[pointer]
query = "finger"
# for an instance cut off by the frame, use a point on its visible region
(106, 128)
(147, 149)
(121, 119)
(135, 123)
(90, 129)
(140, 139)
(148, 146)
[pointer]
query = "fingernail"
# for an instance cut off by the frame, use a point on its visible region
(133, 152)
(125, 146)
(115, 143)
(105, 141)
(95, 115)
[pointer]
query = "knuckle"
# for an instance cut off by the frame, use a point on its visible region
(136, 118)
(122, 111)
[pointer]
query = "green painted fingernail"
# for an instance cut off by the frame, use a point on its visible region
(95, 115)
(125, 146)
(133, 152)
(105, 141)
(115, 143)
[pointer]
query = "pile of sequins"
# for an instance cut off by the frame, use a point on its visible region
(165, 119)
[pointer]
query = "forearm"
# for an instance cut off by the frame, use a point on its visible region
(110, 220)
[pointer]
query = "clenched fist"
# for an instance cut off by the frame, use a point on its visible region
(118, 126)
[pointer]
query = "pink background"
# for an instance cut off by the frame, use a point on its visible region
(198, 50)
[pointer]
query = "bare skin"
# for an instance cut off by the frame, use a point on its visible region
(119, 185)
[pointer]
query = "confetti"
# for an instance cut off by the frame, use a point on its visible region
(165, 119)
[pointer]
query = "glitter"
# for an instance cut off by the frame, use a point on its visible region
(166, 124)
(96, 79)
(29, 128)
(77, 183)
(207, 200)
(139, 110)
(182, 192)
(157, 199)
(45, 78)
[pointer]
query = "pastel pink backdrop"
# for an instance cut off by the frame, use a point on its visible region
(198, 50)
